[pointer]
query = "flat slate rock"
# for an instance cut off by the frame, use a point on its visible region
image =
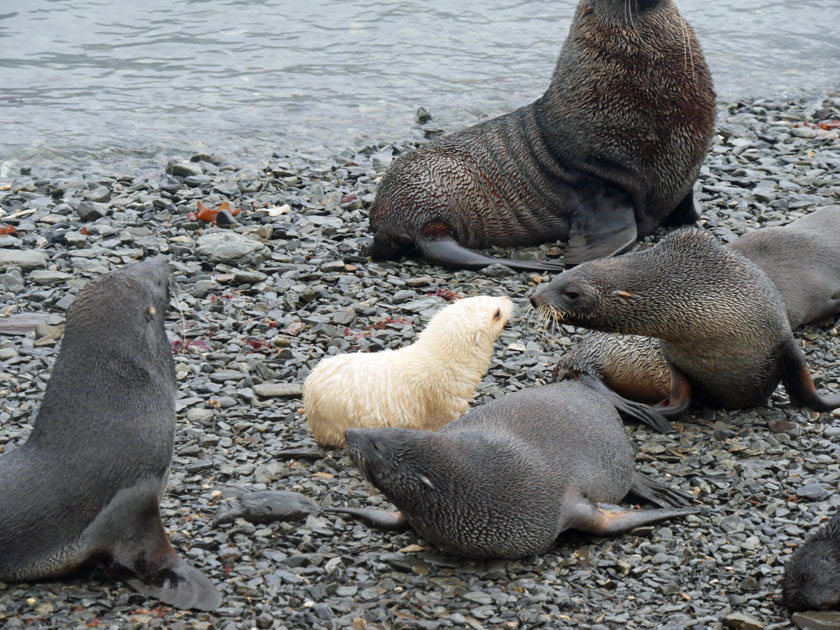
(25, 323)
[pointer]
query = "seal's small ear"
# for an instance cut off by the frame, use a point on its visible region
(150, 313)
(427, 481)
(478, 338)
(622, 294)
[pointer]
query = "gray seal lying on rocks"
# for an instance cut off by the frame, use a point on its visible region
(422, 386)
(87, 484)
(608, 153)
(509, 477)
(802, 259)
(721, 322)
(812, 575)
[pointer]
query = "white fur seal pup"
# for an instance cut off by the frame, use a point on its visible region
(422, 386)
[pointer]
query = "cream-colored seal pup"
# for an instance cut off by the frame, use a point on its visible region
(423, 386)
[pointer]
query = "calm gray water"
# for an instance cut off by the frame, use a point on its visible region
(128, 79)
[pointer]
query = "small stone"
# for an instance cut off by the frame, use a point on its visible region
(742, 621)
(89, 211)
(812, 492)
(184, 169)
(26, 259)
(230, 247)
(817, 620)
(100, 194)
(278, 390)
(46, 276)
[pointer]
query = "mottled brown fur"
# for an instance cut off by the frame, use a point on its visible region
(720, 320)
(628, 114)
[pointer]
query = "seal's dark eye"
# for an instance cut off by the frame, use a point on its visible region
(571, 295)
(497, 314)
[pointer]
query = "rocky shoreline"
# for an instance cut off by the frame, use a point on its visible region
(272, 289)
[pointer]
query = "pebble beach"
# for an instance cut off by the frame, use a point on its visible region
(262, 296)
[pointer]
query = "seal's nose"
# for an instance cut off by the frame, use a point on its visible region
(536, 299)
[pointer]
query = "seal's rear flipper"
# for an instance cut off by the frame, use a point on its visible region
(608, 520)
(448, 253)
(797, 379)
(646, 414)
(602, 225)
(381, 519)
(658, 494)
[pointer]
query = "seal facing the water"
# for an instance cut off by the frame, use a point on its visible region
(507, 478)
(606, 155)
(422, 386)
(721, 323)
(87, 484)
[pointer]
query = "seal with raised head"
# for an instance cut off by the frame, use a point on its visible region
(812, 575)
(509, 477)
(721, 322)
(609, 152)
(802, 259)
(422, 386)
(86, 485)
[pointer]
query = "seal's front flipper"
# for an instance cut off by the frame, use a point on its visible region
(147, 563)
(658, 494)
(178, 584)
(798, 381)
(602, 225)
(687, 211)
(448, 253)
(608, 520)
(381, 519)
(646, 414)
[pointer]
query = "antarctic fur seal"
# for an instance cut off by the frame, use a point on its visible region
(507, 478)
(802, 259)
(608, 153)
(86, 486)
(812, 575)
(422, 386)
(721, 322)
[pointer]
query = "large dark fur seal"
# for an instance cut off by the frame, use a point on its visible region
(606, 155)
(721, 322)
(507, 478)
(86, 486)
(812, 575)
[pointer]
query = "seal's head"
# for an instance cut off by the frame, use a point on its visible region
(652, 292)
(812, 575)
(471, 322)
(126, 304)
(388, 459)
